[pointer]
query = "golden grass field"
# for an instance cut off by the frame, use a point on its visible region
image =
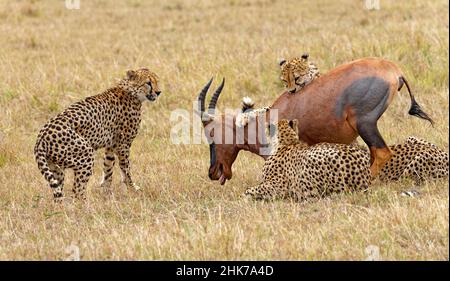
(51, 56)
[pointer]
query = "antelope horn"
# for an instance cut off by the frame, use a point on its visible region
(201, 97)
(215, 97)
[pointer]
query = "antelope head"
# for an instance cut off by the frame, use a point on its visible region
(225, 137)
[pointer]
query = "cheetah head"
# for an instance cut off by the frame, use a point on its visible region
(294, 73)
(144, 84)
(285, 132)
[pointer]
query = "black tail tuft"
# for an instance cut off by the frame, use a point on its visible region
(415, 110)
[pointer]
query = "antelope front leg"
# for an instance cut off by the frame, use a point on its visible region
(124, 163)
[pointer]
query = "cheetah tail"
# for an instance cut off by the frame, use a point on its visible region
(41, 160)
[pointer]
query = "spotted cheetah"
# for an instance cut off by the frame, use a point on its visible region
(416, 159)
(300, 172)
(296, 73)
(109, 120)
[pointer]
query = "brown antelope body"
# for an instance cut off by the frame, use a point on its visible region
(336, 107)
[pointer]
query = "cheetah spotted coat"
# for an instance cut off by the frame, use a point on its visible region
(296, 171)
(109, 120)
(416, 159)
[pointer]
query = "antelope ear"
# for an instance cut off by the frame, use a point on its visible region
(131, 74)
(305, 56)
(282, 61)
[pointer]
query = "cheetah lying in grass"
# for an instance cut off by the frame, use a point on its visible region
(297, 171)
(416, 159)
(300, 172)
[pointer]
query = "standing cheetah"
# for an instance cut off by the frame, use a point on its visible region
(109, 120)
(299, 172)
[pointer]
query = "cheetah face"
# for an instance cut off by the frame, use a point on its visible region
(150, 94)
(294, 73)
(145, 83)
(284, 132)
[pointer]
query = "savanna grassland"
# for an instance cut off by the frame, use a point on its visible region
(51, 56)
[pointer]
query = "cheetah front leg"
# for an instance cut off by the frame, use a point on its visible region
(124, 163)
(265, 191)
(108, 165)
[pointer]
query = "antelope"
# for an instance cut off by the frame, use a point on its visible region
(336, 107)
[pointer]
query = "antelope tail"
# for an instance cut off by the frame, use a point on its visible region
(415, 108)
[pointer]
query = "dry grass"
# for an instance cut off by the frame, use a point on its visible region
(51, 57)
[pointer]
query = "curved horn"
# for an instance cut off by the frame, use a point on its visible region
(215, 97)
(201, 97)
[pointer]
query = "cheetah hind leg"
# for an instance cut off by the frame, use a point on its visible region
(57, 188)
(418, 173)
(412, 171)
(81, 177)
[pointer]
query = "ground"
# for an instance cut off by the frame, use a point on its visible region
(51, 56)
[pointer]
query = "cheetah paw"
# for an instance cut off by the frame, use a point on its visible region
(410, 193)
(136, 187)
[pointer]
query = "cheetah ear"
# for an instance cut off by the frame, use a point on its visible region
(305, 56)
(291, 123)
(282, 61)
(294, 125)
(131, 74)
